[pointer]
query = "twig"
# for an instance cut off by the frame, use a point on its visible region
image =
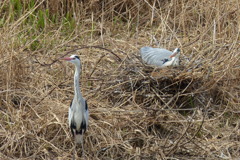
(83, 47)
(180, 138)
(48, 93)
(200, 127)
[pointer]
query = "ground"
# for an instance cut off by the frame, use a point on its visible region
(136, 111)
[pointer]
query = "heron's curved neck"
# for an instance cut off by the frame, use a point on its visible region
(175, 61)
(77, 91)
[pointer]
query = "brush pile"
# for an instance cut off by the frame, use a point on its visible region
(136, 111)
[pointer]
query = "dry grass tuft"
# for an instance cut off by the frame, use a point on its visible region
(136, 111)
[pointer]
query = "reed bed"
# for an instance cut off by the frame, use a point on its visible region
(136, 111)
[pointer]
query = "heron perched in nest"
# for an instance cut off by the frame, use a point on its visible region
(78, 112)
(160, 57)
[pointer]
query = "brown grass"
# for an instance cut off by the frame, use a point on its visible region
(136, 111)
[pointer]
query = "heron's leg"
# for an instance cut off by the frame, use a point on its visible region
(74, 151)
(74, 147)
(82, 147)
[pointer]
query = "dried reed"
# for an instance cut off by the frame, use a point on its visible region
(136, 111)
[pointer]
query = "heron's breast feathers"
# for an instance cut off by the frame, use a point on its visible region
(78, 118)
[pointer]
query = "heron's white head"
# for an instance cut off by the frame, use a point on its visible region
(175, 53)
(73, 59)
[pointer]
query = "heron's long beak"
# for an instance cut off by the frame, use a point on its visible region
(174, 54)
(67, 58)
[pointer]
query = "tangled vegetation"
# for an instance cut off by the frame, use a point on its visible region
(136, 111)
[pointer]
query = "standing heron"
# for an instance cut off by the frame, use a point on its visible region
(160, 57)
(78, 112)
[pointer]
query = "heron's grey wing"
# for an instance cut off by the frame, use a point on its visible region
(80, 117)
(163, 52)
(87, 112)
(155, 56)
(70, 113)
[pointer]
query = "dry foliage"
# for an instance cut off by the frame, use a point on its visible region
(136, 111)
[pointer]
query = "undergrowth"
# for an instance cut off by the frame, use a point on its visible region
(136, 111)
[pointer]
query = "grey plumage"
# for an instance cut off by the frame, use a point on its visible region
(78, 111)
(160, 57)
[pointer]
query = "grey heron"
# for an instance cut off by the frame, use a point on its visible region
(160, 57)
(78, 112)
